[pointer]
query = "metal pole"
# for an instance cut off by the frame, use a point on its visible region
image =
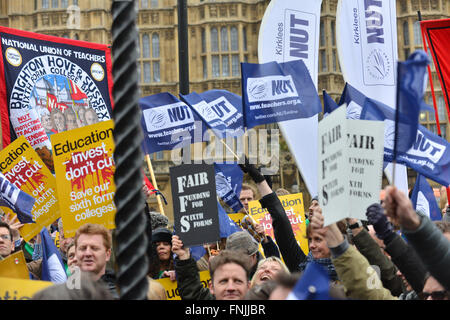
(130, 239)
(183, 56)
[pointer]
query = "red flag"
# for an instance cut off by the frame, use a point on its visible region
(52, 103)
(437, 36)
(147, 184)
(75, 92)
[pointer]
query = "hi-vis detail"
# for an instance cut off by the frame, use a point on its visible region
(167, 116)
(270, 88)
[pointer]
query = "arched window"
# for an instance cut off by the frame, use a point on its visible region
(64, 3)
(234, 39)
(155, 45)
(44, 4)
(406, 33)
(244, 38)
(144, 4)
(214, 40)
(54, 3)
(145, 46)
(203, 40)
(417, 34)
(224, 39)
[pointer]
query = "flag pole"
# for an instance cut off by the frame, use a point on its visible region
(430, 78)
(397, 98)
(152, 176)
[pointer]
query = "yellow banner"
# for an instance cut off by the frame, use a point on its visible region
(18, 289)
(14, 266)
(84, 169)
(23, 167)
(172, 286)
(293, 205)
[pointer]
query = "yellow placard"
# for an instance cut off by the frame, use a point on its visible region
(293, 205)
(84, 169)
(171, 287)
(18, 289)
(23, 167)
(14, 266)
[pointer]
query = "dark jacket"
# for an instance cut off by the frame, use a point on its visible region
(292, 254)
(189, 285)
(370, 249)
(270, 248)
(109, 280)
(407, 261)
(432, 248)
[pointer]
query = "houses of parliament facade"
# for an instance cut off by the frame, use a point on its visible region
(222, 34)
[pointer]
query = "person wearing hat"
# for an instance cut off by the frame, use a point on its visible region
(244, 242)
(161, 261)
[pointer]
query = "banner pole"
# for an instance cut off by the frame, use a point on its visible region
(152, 176)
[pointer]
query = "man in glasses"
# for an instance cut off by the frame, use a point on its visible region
(6, 242)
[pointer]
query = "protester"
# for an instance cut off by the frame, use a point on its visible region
(359, 279)
(230, 271)
(90, 116)
(161, 264)
(63, 243)
(422, 234)
(248, 193)
(371, 250)
(71, 119)
(410, 268)
(58, 120)
(155, 290)
(93, 251)
(6, 240)
(212, 250)
(268, 269)
(72, 261)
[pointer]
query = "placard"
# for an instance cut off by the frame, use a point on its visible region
(20, 289)
(351, 166)
(84, 168)
(294, 208)
(171, 287)
(195, 204)
(23, 167)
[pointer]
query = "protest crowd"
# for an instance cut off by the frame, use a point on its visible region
(234, 235)
(410, 266)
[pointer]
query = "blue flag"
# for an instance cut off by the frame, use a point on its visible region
(226, 225)
(329, 105)
(229, 184)
(423, 199)
(410, 92)
(18, 201)
(429, 154)
(354, 100)
(220, 110)
(274, 92)
(313, 285)
(52, 264)
(168, 123)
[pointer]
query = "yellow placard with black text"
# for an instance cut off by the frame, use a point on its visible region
(23, 167)
(293, 205)
(171, 287)
(84, 169)
(20, 289)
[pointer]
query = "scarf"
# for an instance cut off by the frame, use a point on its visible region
(324, 262)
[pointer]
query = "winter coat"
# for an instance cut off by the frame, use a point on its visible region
(432, 248)
(370, 249)
(189, 285)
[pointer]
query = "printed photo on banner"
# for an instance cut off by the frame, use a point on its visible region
(294, 207)
(195, 209)
(22, 166)
(84, 169)
(51, 85)
(171, 287)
